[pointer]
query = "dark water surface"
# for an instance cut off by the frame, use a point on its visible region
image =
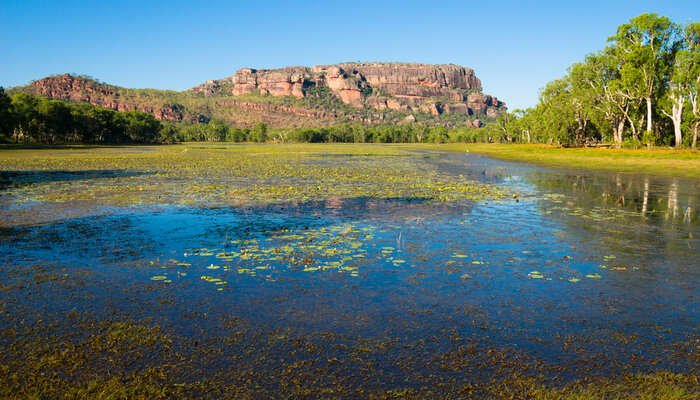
(589, 272)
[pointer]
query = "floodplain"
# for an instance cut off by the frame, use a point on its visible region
(342, 271)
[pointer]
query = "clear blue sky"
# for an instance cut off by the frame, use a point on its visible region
(515, 47)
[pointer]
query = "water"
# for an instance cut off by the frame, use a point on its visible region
(587, 273)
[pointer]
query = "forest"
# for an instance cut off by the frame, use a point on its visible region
(640, 90)
(28, 119)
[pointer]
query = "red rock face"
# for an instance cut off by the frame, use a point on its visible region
(81, 90)
(414, 88)
(459, 108)
(286, 82)
(422, 80)
(403, 86)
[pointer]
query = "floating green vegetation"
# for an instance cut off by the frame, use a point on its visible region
(125, 359)
(201, 175)
(342, 248)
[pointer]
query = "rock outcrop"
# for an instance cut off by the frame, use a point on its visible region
(371, 93)
(283, 82)
(432, 89)
(83, 90)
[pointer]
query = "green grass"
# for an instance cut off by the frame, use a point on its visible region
(675, 163)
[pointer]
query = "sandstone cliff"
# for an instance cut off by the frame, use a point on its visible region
(371, 93)
(84, 90)
(432, 89)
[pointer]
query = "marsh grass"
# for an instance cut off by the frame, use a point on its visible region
(674, 163)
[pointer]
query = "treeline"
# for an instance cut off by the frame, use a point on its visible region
(406, 133)
(642, 89)
(26, 119)
(36, 120)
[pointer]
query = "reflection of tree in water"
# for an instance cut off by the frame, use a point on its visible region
(649, 198)
(647, 222)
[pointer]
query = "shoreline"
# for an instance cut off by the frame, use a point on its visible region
(668, 163)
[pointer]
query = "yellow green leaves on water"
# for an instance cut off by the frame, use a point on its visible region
(341, 248)
(246, 175)
(535, 275)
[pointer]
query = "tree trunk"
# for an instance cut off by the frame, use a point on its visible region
(677, 117)
(635, 135)
(649, 121)
(677, 126)
(618, 133)
(695, 134)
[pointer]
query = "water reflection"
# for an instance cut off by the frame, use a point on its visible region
(615, 258)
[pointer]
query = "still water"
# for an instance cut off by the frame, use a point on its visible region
(582, 272)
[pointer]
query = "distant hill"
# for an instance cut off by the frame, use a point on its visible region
(322, 95)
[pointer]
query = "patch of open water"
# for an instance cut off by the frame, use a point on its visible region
(582, 266)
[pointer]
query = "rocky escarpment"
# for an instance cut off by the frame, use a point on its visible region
(369, 93)
(84, 90)
(433, 89)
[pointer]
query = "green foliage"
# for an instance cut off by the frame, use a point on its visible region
(37, 120)
(649, 70)
(7, 118)
(438, 134)
(259, 132)
(167, 134)
(236, 134)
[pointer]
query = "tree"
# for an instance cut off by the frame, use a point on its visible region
(691, 39)
(684, 79)
(141, 127)
(600, 74)
(259, 132)
(504, 125)
(645, 48)
(7, 117)
(236, 134)
(27, 122)
(559, 117)
(215, 131)
(438, 134)
(55, 121)
(167, 134)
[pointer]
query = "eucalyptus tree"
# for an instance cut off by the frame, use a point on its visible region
(608, 103)
(645, 48)
(556, 113)
(684, 81)
(691, 39)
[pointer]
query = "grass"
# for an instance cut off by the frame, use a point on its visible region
(674, 163)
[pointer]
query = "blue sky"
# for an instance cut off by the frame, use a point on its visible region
(515, 47)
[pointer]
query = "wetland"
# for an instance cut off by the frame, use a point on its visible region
(342, 271)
